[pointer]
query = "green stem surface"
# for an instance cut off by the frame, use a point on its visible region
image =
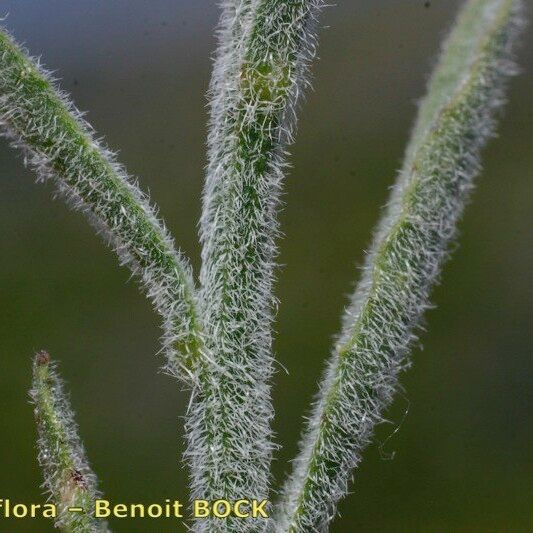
(264, 50)
(407, 254)
(67, 475)
(59, 144)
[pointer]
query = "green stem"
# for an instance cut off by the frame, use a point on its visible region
(261, 65)
(411, 243)
(67, 474)
(60, 145)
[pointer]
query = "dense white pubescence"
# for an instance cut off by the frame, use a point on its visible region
(68, 477)
(404, 261)
(265, 48)
(231, 31)
(60, 145)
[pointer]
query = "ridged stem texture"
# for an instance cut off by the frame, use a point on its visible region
(68, 478)
(265, 46)
(59, 144)
(412, 240)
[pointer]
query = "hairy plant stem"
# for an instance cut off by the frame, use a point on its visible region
(68, 477)
(264, 50)
(455, 120)
(219, 340)
(59, 144)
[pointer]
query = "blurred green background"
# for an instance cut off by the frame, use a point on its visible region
(463, 457)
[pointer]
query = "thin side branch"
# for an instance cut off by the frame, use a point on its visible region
(59, 144)
(68, 478)
(412, 241)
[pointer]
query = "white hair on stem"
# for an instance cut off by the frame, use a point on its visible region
(219, 339)
(68, 477)
(264, 50)
(60, 145)
(455, 120)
